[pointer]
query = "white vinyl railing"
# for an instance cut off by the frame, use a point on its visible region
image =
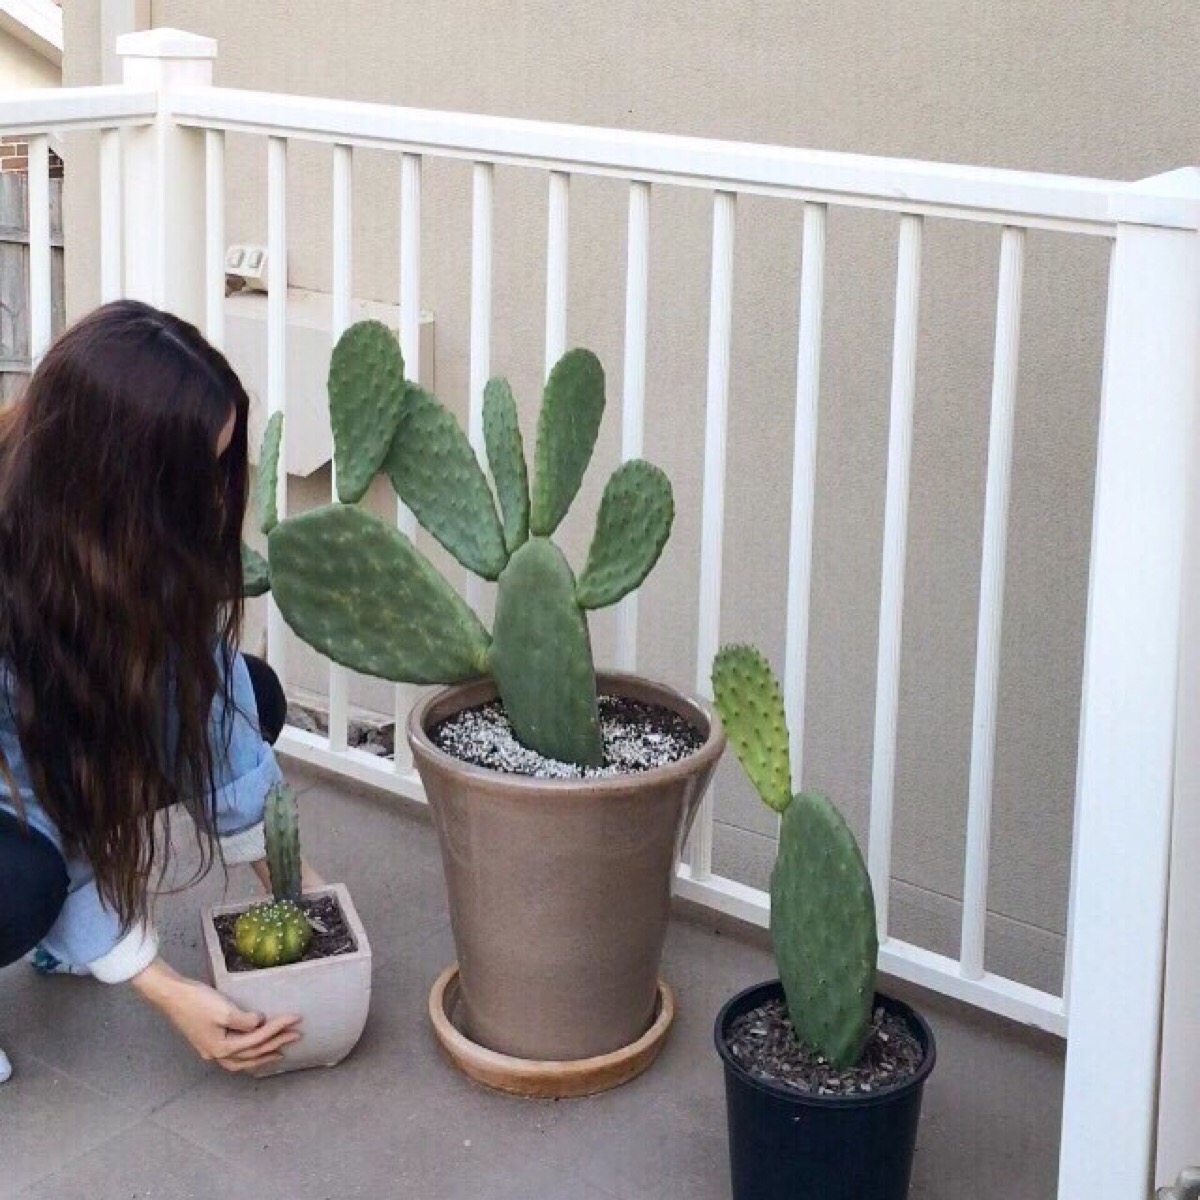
(1127, 1117)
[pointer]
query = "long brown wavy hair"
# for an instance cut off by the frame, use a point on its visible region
(121, 582)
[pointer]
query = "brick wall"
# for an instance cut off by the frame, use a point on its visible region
(14, 156)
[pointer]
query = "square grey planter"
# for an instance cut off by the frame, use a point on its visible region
(331, 995)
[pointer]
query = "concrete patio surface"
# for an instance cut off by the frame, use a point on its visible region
(107, 1104)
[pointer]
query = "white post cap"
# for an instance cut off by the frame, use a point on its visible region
(165, 43)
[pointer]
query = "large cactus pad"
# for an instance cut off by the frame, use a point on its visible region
(751, 707)
(281, 829)
(256, 577)
(361, 593)
(636, 513)
(435, 472)
(823, 929)
(506, 457)
(542, 657)
(572, 406)
(366, 388)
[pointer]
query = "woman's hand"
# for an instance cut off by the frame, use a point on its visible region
(217, 1029)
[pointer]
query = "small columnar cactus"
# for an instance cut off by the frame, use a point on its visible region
(276, 933)
(358, 590)
(822, 907)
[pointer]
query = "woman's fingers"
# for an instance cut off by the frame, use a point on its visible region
(239, 1044)
(274, 1046)
(234, 1066)
(242, 1021)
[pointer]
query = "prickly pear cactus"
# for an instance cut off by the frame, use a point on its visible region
(541, 642)
(256, 578)
(366, 392)
(823, 929)
(272, 935)
(359, 591)
(256, 575)
(267, 479)
(822, 907)
(506, 457)
(748, 698)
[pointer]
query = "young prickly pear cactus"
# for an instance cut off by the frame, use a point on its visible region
(359, 591)
(271, 935)
(822, 907)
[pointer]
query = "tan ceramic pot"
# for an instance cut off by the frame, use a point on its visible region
(331, 995)
(560, 889)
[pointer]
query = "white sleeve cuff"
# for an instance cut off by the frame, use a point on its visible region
(129, 957)
(246, 846)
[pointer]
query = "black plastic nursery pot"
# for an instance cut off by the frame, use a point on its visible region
(785, 1145)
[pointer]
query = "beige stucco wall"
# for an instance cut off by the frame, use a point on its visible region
(23, 67)
(1092, 87)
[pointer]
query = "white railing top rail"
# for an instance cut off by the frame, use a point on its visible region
(1034, 199)
(1061, 202)
(45, 110)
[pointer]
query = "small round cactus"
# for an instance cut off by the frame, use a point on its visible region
(272, 935)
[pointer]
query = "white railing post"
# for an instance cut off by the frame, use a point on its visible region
(1144, 494)
(164, 175)
(1178, 1100)
(1178, 1106)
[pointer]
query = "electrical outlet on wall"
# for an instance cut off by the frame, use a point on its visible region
(247, 265)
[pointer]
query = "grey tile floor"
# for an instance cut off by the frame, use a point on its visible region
(107, 1105)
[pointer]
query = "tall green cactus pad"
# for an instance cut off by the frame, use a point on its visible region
(266, 482)
(256, 576)
(281, 831)
(634, 522)
(366, 389)
(572, 406)
(823, 929)
(506, 457)
(748, 698)
(541, 657)
(435, 472)
(360, 592)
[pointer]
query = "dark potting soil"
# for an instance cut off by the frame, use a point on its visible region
(764, 1042)
(331, 934)
(637, 737)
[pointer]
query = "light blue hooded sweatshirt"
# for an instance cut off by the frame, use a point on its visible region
(88, 932)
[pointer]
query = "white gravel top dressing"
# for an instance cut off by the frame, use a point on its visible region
(637, 737)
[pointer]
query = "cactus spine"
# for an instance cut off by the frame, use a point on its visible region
(277, 933)
(822, 907)
(360, 592)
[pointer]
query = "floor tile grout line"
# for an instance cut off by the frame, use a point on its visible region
(72, 1159)
(238, 1164)
(42, 1061)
